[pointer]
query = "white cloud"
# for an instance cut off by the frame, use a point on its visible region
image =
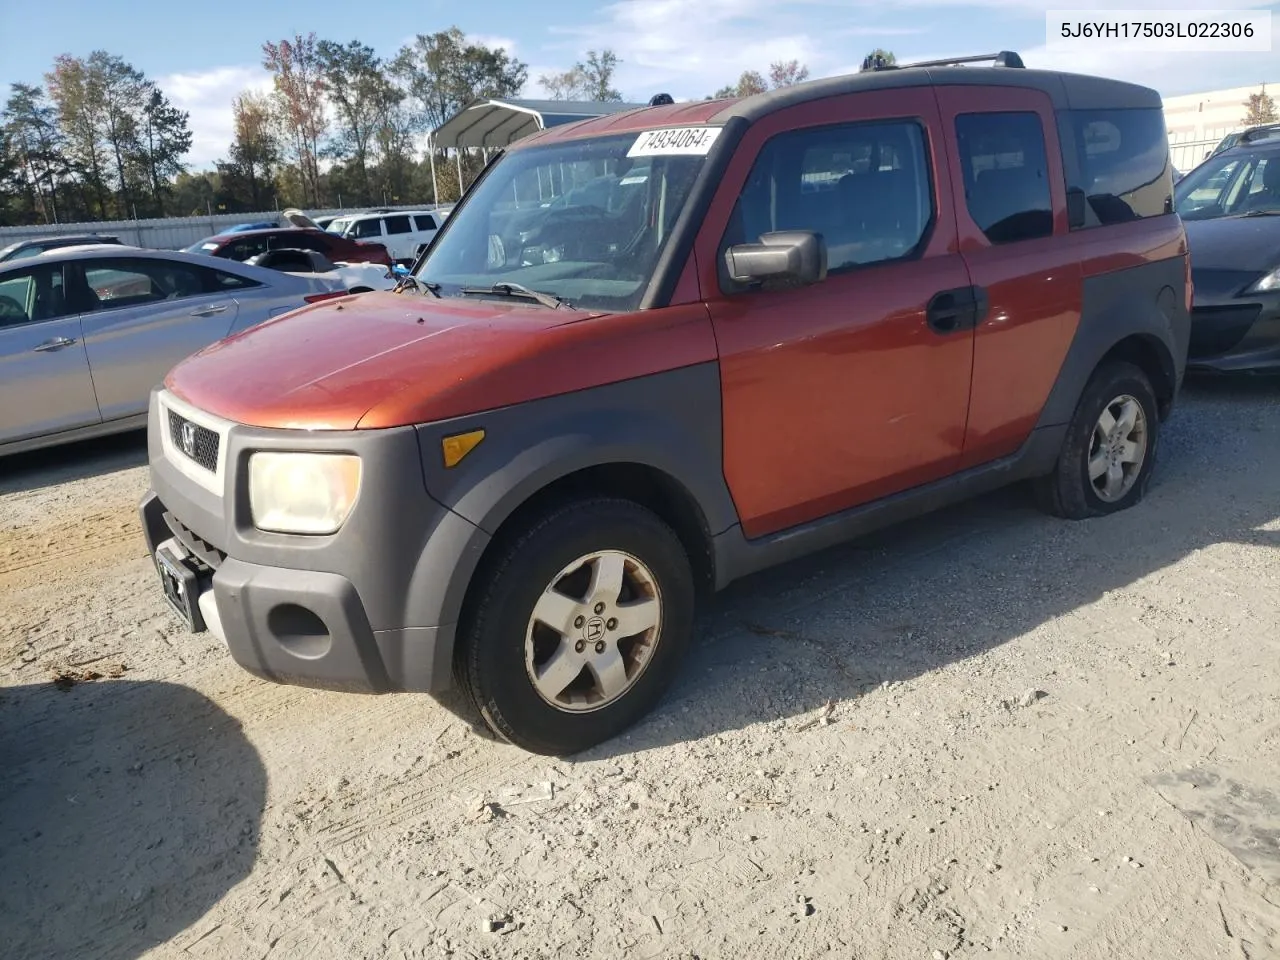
(493, 42)
(718, 39)
(207, 96)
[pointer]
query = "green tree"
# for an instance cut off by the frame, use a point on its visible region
(786, 74)
(255, 151)
(74, 94)
(117, 90)
(781, 74)
(1260, 108)
(885, 57)
(166, 139)
(443, 72)
(300, 103)
(359, 91)
(36, 167)
(590, 79)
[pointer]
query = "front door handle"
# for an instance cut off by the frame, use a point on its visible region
(57, 343)
(950, 311)
(210, 311)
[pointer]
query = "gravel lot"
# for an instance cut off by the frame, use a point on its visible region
(985, 733)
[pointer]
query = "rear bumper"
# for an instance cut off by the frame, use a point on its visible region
(1235, 334)
(371, 609)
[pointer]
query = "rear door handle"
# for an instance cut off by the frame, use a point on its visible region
(210, 311)
(57, 343)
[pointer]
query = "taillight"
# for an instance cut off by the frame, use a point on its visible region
(317, 297)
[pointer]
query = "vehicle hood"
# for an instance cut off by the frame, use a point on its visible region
(374, 359)
(1247, 244)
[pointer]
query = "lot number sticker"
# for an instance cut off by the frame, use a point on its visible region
(686, 141)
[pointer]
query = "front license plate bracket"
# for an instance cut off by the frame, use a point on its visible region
(181, 587)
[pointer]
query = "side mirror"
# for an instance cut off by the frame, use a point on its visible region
(785, 258)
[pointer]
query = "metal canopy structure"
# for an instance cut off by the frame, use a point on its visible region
(486, 124)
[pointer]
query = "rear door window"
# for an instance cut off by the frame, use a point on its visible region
(127, 282)
(396, 225)
(1006, 175)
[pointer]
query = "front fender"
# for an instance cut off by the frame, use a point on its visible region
(670, 422)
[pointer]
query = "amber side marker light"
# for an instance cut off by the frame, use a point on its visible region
(459, 445)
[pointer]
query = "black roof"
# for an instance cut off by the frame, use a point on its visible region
(1067, 91)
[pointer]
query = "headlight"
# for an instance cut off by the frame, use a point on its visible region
(1267, 284)
(302, 492)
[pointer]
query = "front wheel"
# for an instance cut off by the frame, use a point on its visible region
(578, 626)
(1110, 447)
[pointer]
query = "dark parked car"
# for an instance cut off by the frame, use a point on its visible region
(250, 243)
(38, 245)
(1231, 207)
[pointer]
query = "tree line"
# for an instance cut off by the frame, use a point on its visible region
(339, 126)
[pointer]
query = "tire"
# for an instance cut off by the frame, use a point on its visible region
(502, 647)
(1069, 491)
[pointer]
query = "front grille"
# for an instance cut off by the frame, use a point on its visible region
(209, 556)
(194, 441)
(1216, 330)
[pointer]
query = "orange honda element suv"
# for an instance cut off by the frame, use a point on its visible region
(655, 351)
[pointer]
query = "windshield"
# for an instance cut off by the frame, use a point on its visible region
(1238, 183)
(580, 220)
(338, 226)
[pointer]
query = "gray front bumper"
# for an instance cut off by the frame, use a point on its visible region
(371, 608)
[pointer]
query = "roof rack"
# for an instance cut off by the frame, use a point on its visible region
(1260, 132)
(1005, 58)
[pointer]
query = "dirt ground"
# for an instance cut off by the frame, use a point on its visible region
(987, 733)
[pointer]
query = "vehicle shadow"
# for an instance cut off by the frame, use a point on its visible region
(70, 462)
(129, 808)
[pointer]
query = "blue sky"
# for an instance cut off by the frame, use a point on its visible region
(204, 54)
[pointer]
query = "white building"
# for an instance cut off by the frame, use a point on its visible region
(1197, 121)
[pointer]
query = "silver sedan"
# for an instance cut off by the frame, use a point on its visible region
(86, 332)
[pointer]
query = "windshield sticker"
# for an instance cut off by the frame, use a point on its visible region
(687, 141)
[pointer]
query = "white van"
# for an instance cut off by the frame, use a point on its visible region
(402, 232)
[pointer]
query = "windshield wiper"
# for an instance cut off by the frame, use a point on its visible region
(411, 282)
(508, 289)
(1261, 213)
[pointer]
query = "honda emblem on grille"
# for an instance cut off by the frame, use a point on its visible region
(189, 439)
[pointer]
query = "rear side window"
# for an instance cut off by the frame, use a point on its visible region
(1006, 175)
(216, 280)
(398, 225)
(1122, 159)
(864, 186)
(246, 247)
(424, 221)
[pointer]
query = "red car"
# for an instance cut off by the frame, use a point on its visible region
(244, 244)
(745, 330)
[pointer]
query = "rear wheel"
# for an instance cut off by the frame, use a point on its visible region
(1110, 447)
(578, 626)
